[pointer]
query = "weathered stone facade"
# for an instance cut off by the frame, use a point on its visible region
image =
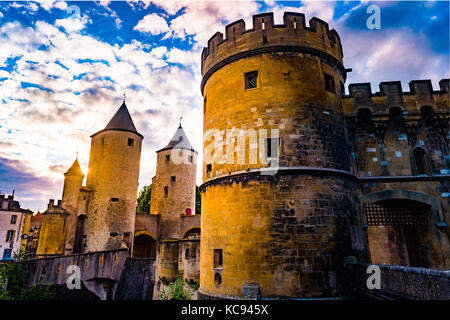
(173, 186)
(173, 203)
(400, 153)
(288, 233)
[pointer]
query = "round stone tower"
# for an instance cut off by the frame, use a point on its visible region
(113, 179)
(173, 186)
(73, 180)
(280, 211)
(173, 195)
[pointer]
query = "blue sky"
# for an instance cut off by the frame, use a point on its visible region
(65, 65)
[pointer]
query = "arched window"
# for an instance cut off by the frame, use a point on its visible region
(78, 246)
(420, 161)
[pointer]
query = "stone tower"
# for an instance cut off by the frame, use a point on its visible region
(173, 195)
(280, 211)
(73, 180)
(173, 186)
(113, 180)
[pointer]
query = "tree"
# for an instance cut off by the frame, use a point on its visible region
(143, 201)
(13, 276)
(198, 200)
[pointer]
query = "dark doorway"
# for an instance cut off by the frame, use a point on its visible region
(193, 233)
(399, 232)
(78, 245)
(420, 161)
(144, 247)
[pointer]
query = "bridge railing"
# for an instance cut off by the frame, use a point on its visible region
(399, 282)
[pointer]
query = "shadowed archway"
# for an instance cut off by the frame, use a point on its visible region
(144, 246)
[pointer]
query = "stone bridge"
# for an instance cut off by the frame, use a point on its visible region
(114, 275)
(107, 274)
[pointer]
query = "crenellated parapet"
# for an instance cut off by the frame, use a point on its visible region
(391, 95)
(266, 37)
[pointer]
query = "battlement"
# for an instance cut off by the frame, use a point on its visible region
(292, 34)
(51, 204)
(391, 95)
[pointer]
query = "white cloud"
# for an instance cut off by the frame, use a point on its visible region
(62, 5)
(153, 24)
(391, 55)
(187, 58)
(49, 127)
(201, 19)
(72, 24)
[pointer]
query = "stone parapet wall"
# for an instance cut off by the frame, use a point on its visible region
(403, 282)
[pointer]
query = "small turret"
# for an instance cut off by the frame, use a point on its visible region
(73, 180)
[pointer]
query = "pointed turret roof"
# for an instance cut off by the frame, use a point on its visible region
(121, 121)
(178, 141)
(75, 169)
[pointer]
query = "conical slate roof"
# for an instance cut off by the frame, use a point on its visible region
(121, 121)
(178, 141)
(75, 169)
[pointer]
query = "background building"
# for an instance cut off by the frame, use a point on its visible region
(14, 224)
(33, 235)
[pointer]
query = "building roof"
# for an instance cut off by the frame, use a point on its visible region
(121, 121)
(75, 169)
(178, 141)
(36, 219)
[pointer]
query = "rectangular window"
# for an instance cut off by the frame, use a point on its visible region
(13, 219)
(329, 83)
(204, 105)
(190, 159)
(272, 146)
(7, 254)
(208, 169)
(9, 235)
(173, 178)
(218, 258)
(251, 80)
(130, 142)
(166, 191)
(167, 158)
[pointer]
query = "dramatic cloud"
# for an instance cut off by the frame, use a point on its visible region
(65, 65)
(152, 24)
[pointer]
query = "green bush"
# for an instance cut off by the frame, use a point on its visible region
(177, 291)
